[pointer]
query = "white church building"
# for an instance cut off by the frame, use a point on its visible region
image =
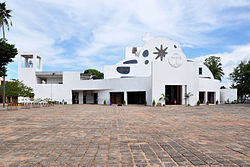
(159, 67)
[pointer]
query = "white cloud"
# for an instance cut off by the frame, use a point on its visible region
(186, 45)
(43, 25)
(230, 60)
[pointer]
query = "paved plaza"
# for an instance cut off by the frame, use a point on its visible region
(98, 135)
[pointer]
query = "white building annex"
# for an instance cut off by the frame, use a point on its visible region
(159, 67)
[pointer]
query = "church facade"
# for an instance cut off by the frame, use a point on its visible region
(145, 74)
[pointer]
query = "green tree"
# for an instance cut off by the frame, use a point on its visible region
(7, 53)
(17, 89)
(4, 21)
(241, 79)
(5, 17)
(215, 66)
(95, 73)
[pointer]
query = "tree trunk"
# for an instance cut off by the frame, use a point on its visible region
(3, 91)
(4, 74)
(3, 32)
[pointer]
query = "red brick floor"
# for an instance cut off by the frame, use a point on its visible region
(97, 135)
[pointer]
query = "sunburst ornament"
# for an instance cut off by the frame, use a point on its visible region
(160, 52)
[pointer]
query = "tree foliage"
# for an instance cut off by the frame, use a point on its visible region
(17, 89)
(3, 71)
(215, 66)
(7, 53)
(241, 79)
(96, 74)
(222, 87)
(5, 17)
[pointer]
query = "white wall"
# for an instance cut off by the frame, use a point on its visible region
(163, 74)
(205, 71)
(129, 54)
(71, 81)
(210, 85)
(226, 94)
(54, 80)
(54, 91)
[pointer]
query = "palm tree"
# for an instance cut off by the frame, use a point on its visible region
(215, 66)
(5, 17)
(164, 97)
(187, 96)
(4, 21)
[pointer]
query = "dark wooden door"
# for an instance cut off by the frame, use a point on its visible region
(95, 98)
(201, 97)
(116, 97)
(75, 97)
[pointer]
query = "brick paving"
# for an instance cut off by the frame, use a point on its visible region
(97, 135)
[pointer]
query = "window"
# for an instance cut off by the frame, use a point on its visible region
(123, 70)
(38, 64)
(146, 61)
(130, 62)
(175, 46)
(145, 53)
(200, 71)
(134, 50)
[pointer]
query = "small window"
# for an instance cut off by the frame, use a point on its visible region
(146, 61)
(145, 53)
(130, 62)
(123, 70)
(200, 71)
(175, 46)
(134, 50)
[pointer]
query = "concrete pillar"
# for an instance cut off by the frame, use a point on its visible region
(126, 97)
(80, 97)
(205, 98)
(184, 92)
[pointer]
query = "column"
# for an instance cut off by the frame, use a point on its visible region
(126, 97)
(205, 98)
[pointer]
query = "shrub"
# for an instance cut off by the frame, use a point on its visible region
(145, 102)
(217, 102)
(198, 102)
(208, 102)
(153, 102)
(124, 102)
(104, 102)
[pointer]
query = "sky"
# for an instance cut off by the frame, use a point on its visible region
(78, 34)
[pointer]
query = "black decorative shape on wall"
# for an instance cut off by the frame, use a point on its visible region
(160, 52)
(123, 70)
(130, 62)
(146, 61)
(145, 53)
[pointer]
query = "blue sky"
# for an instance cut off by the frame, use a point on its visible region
(81, 34)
